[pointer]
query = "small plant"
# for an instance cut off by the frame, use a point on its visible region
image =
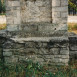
(75, 27)
(30, 69)
(72, 27)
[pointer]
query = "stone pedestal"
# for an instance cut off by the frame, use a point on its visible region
(45, 50)
(32, 18)
(38, 30)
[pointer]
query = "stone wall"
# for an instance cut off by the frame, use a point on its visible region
(43, 41)
(52, 22)
(42, 50)
(2, 41)
(73, 46)
(36, 11)
(13, 18)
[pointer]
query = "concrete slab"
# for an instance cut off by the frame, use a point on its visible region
(72, 19)
(2, 19)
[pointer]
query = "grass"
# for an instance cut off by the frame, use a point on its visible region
(72, 27)
(2, 13)
(2, 26)
(30, 69)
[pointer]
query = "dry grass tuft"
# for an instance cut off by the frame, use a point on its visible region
(72, 27)
(2, 26)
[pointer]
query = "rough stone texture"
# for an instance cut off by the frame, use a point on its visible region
(40, 50)
(37, 30)
(2, 40)
(22, 16)
(13, 17)
(73, 46)
(36, 11)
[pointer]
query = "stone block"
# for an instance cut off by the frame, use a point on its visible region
(57, 56)
(28, 51)
(9, 3)
(60, 20)
(7, 53)
(49, 56)
(8, 60)
(65, 61)
(7, 50)
(40, 60)
(64, 14)
(73, 47)
(34, 12)
(11, 60)
(17, 18)
(56, 14)
(45, 28)
(44, 44)
(39, 3)
(19, 46)
(10, 20)
(65, 56)
(22, 58)
(29, 27)
(8, 9)
(16, 3)
(45, 19)
(29, 44)
(55, 51)
(60, 9)
(12, 27)
(44, 51)
(64, 3)
(16, 8)
(62, 27)
(9, 14)
(64, 52)
(55, 3)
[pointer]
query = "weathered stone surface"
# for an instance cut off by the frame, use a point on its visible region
(52, 11)
(37, 30)
(73, 45)
(33, 12)
(56, 3)
(7, 53)
(38, 50)
(64, 2)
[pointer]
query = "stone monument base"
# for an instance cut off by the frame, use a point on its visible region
(45, 50)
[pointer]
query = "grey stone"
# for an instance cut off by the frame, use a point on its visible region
(64, 52)
(55, 51)
(36, 30)
(7, 53)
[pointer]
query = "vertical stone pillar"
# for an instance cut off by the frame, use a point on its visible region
(13, 15)
(60, 13)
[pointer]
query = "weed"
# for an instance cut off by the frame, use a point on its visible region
(30, 69)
